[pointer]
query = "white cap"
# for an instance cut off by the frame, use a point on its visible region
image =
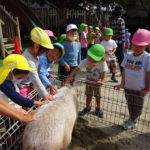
(71, 27)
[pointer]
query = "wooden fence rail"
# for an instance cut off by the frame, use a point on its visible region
(59, 18)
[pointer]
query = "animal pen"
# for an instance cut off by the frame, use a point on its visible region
(113, 105)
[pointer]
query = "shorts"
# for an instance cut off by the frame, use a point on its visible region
(112, 63)
(64, 74)
(93, 90)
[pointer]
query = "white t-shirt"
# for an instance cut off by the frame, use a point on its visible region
(135, 70)
(94, 70)
(109, 45)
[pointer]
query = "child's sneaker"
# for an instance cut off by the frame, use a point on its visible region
(99, 112)
(84, 111)
(114, 79)
(130, 125)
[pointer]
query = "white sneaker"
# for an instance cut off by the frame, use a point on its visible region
(130, 125)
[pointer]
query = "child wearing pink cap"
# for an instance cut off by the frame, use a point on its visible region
(136, 76)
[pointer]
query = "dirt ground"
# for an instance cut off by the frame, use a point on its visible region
(95, 135)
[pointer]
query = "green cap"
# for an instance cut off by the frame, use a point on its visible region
(96, 52)
(108, 31)
(62, 38)
(82, 26)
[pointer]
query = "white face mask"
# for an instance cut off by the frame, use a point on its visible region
(16, 81)
(72, 38)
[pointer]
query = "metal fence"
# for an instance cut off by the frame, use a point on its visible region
(11, 131)
(113, 104)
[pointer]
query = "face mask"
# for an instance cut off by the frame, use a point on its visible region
(72, 38)
(15, 81)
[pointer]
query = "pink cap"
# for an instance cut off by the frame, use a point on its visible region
(104, 28)
(141, 37)
(49, 33)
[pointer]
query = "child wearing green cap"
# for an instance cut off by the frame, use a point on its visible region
(110, 47)
(96, 69)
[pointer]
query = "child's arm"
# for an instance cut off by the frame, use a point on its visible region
(121, 85)
(74, 72)
(103, 78)
(147, 85)
(113, 51)
(12, 112)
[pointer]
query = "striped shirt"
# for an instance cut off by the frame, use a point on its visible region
(118, 26)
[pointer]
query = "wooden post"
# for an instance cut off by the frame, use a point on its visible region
(18, 32)
(1, 40)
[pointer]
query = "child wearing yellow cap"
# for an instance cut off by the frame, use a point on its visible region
(40, 44)
(15, 68)
(96, 70)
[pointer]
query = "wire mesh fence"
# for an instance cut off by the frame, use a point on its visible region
(113, 104)
(11, 131)
(115, 107)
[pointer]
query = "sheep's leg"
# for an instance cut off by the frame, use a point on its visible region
(66, 140)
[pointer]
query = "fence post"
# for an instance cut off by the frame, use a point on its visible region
(2, 52)
(18, 32)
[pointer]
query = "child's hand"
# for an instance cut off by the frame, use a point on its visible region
(21, 111)
(49, 97)
(40, 103)
(69, 78)
(53, 89)
(143, 92)
(100, 82)
(67, 67)
(118, 87)
(27, 117)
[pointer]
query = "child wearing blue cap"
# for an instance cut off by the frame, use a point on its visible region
(45, 62)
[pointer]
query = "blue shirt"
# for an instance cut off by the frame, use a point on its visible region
(9, 90)
(72, 55)
(44, 64)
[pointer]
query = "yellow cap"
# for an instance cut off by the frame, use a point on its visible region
(13, 61)
(39, 36)
(97, 28)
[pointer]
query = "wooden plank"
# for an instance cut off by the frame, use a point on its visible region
(9, 51)
(5, 40)
(9, 45)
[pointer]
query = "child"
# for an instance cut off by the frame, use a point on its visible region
(127, 41)
(62, 38)
(96, 73)
(51, 35)
(83, 40)
(14, 70)
(40, 43)
(98, 36)
(136, 76)
(110, 47)
(90, 36)
(72, 56)
(46, 61)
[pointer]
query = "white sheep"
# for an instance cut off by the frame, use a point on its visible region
(54, 125)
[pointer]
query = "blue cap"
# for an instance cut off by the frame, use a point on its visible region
(61, 46)
(90, 27)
